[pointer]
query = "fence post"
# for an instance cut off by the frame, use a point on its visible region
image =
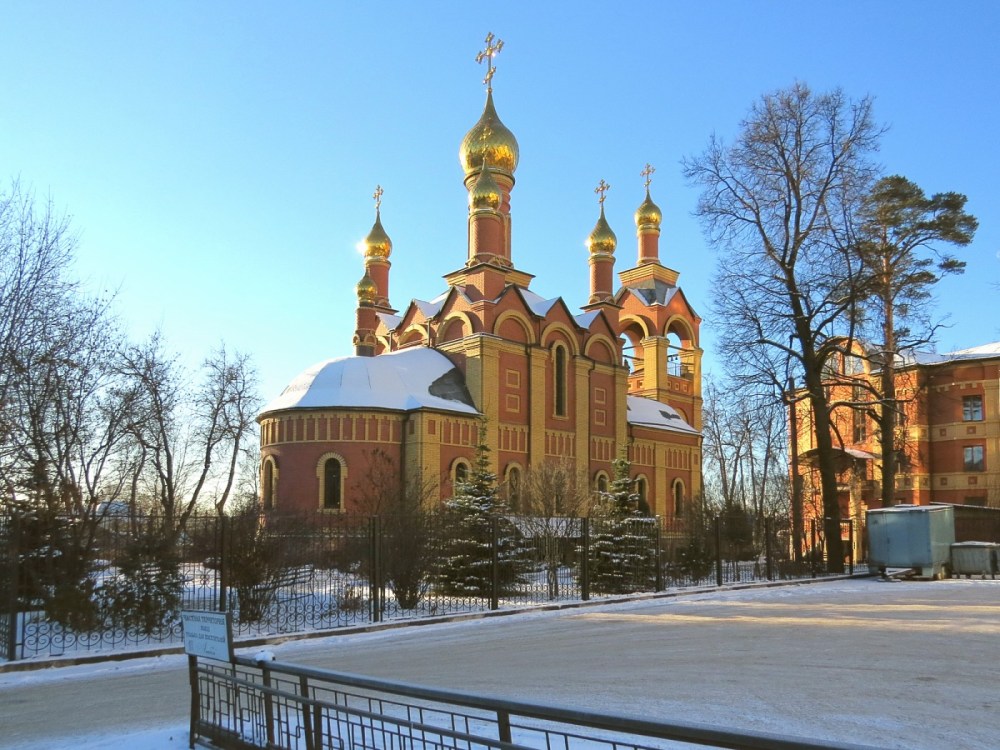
(13, 574)
(718, 550)
(850, 542)
(813, 552)
(659, 557)
(768, 551)
(375, 568)
(495, 563)
(223, 562)
(585, 559)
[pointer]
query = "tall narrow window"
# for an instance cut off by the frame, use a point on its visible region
(268, 485)
(514, 488)
(972, 408)
(560, 380)
(678, 498)
(602, 482)
(461, 473)
(640, 490)
(331, 484)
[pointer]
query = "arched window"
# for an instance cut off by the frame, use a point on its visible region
(601, 483)
(678, 498)
(267, 485)
(514, 488)
(459, 473)
(641, 491)
(332, 484)
(559, 379)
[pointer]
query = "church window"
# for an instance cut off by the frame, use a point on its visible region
(332, 489)
(559, 378)
(641, 489)
(514, 488)
(267, 482)
(678, 498)
(460, 473)
(602, 482)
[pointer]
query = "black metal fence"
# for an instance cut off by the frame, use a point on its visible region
(122, 584)
(251, 704)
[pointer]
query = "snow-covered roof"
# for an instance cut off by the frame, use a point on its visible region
(389, 320)
(645, 412)
(429, 309)
(985, 351)
(405, 380)
(536, 303)
(659, 294)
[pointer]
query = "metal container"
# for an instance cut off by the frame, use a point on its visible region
(974, 558)
(912, 536)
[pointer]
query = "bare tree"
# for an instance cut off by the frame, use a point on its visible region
(553, 494)
(780, 204)
(188, 439)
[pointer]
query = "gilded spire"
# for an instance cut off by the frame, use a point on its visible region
(377, 243)
(602, 240)
(648, 216)
(489, 139)
(491, 51)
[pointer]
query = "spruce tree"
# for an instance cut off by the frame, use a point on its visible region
(623, 541)
(465, 564)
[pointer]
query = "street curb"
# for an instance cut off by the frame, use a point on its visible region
(30, 665)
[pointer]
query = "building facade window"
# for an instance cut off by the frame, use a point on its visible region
(678, 498)
(601, 483)
(559, 379)
(642, 489)
(460, 473)
(332, 484)
(973, 458)
(514, 488)
(972, 408)
(267, 485)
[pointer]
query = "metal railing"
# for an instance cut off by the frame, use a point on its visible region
(251, 704)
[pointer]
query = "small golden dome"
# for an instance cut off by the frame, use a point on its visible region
(648, 215)
(377, 243)
(602, 240)
(485, 192)
(366, 289)
(489, 140)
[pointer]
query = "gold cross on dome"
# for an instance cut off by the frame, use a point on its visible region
(491, 51)
(377, 195)
(601, 189)
(648, 174)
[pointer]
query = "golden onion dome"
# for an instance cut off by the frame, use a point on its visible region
(648, 215)
(489, 140)
(377, 243)
(602, 240)
(485, 192)
(366, 289)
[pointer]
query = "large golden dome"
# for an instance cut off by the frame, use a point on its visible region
(377, 243)
(489, 139)
(648, 215)
(602, 240)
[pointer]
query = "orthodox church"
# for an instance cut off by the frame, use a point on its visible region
(622, 375)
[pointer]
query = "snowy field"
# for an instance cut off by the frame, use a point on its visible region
(898, 665)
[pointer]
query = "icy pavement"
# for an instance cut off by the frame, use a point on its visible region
(897, 664)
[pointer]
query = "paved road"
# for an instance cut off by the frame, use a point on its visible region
(905, 665)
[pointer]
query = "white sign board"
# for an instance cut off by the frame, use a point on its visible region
(208, 634)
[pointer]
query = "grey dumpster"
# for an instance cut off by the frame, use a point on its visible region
(912, 536)
(974, 559)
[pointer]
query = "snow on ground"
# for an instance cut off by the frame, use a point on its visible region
(900, 665)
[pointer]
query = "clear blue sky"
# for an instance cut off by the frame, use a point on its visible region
(218, 158)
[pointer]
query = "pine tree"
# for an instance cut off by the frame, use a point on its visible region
(465, 564)
(623, 540)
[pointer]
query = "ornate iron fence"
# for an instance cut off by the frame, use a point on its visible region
(281, 574)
